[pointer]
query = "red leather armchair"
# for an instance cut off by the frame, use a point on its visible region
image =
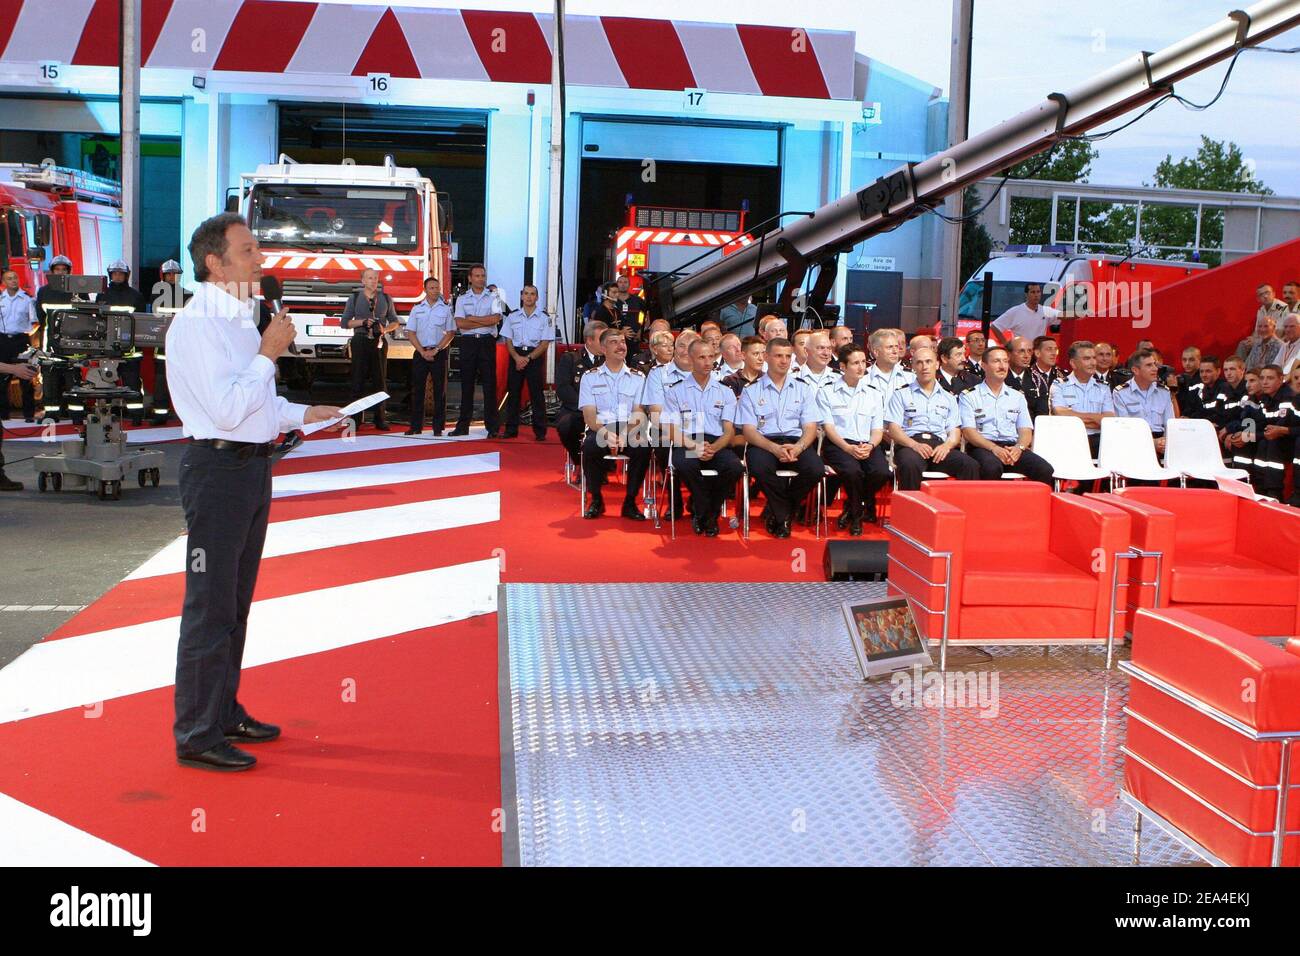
(1231, 559)
(1005, 562)
(1213, 724)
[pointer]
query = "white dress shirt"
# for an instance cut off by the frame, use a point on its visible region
(221, 387)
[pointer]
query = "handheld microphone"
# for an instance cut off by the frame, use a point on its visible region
(272, 293)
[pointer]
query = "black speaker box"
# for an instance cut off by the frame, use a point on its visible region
(856, 560)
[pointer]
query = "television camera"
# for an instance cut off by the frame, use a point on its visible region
(93, 338)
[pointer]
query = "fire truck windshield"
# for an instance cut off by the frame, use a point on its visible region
(303, 215)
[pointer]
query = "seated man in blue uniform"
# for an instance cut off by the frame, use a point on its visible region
(699, 415)
(609, 396)
(779, 416)
(924, 424)
(996, 424)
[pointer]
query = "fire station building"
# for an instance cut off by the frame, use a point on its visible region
(766, 119)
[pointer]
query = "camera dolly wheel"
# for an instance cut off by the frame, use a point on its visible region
(56, 480)
(40, 481)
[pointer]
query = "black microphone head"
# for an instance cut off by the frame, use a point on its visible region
(271, 290)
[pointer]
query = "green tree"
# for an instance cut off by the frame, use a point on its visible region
(1219, 166)
(1069, 161)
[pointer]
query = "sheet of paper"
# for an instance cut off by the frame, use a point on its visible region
(360, 405)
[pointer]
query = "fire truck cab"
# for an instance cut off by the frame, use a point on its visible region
(1074, 282)
(319, 226)
(46, 211)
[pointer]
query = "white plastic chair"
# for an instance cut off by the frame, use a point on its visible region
(1062, 440)
(1128, 452)
(1192, 449)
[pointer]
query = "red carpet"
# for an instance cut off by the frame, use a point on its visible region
(407, 774)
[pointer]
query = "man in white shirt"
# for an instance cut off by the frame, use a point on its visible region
(1030, 319)
(222, 380)
(1290, 342)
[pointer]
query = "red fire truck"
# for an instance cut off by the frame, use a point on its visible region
(663, 239)
(48, 211)
(319, 226)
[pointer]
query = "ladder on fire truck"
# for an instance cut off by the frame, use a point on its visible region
(819, 238)
(66, 183)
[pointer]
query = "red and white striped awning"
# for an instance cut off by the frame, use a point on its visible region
(280, 36)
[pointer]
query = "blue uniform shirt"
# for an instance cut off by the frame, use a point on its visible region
(430, 322)
(918, 413)
(997, 417)
(1154, 405)
(699, 411)
(661, 377)
(525, 331)
(17, 313)
(1090, 396)
(615, 394)
(888, 384)
(855, 411)
(779, 412)
(471, 303)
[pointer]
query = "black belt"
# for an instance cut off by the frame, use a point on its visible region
(244, 449)
(928, 436)
(17, 335)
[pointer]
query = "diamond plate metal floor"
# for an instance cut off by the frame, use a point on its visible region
(728, 724)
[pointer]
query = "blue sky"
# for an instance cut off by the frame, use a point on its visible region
(1025, 49)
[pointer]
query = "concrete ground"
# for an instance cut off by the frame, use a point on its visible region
(63, 551)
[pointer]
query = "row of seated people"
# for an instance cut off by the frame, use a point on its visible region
(795, 423)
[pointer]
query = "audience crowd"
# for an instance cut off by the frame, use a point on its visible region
(791, 409)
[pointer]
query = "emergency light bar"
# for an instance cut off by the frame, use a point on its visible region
(822, 236)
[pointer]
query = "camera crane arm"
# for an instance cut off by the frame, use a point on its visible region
(820, 238)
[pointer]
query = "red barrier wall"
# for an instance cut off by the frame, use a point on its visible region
(1213, 310)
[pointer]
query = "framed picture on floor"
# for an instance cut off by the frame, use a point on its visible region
(884, 635)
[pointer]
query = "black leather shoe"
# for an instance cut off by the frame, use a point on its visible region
(710, 527)
(844, 520)
(8, 484)
(381, 426)
(697, 526)
(539, 436)
(437, 433)
(783, 528)
(855, 528)
(458, 432)
(770, 524)
(411, 431)
(250, 731)
(514, 434)
(223, 756)
(871, 512)
(632, 513)
(595, 509)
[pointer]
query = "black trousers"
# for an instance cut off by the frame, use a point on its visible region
(1033, 467)
(12, 346)
(162, 397)
(369, 372)
(596, 468)
(424, 372)
(534, 373)
(569, 426)
(908, 465)
(861, 478)
(226, 501)
(708, 492)
(783, 494)
(478, 359)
